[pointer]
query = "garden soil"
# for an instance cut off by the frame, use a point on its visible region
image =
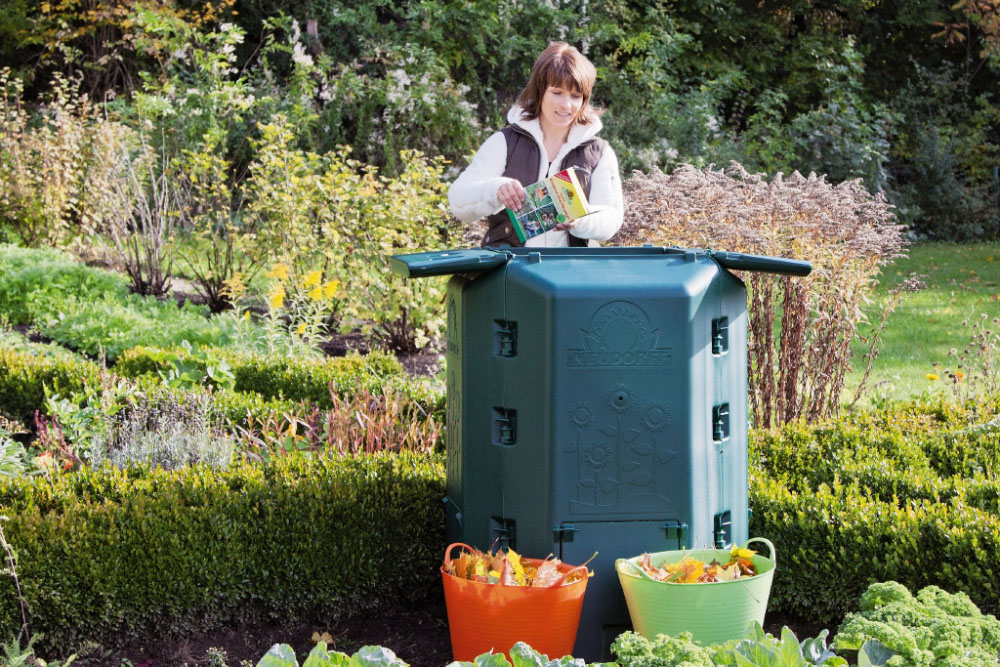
(418, 634)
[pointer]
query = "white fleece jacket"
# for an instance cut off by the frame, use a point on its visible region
(473, 195)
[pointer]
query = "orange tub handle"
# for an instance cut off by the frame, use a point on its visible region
(561, 580)
(447, 552)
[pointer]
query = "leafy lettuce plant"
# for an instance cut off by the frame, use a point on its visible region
(283, 655)
(522, 655)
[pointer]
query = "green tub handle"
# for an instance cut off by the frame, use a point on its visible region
(634, 566)
(774, 554)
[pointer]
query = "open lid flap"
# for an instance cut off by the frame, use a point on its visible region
(445, 262)
(761, 263)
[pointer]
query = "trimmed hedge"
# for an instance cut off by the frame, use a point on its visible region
(293, 379)
(834, 542)
(24, 376)
(908, 492)
(109, 554)
(25, 373)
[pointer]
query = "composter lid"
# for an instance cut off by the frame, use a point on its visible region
(477, 260)
(444, 262)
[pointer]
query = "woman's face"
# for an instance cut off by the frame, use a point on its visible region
(560, 106)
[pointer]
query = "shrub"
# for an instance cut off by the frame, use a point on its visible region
(331, 212)
(800, 328)
(145, 209)
(908, 492)
(273, 377)
(109, 554)
(53, 171)
(162, 428)
(24, 377)
(407, 214)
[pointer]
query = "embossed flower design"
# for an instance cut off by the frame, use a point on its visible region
(581, 414)
(598, 455)
(621, 397)
(656, 416)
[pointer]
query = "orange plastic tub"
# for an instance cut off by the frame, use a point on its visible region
(484, 617)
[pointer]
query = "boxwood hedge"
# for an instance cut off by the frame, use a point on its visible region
(108, 554)
(908, 492)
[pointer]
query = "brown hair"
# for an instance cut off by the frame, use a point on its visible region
(563, 66)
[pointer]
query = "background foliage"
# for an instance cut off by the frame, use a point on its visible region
(899, 94)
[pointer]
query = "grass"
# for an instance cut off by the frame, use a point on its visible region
(963, 281)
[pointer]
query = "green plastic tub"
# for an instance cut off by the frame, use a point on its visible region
(712, 612)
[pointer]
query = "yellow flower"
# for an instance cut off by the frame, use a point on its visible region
(959, 375)
(276, 299)
(279, 271)
(301, 329)
(233, 288)
(246, 314)
(330, 288)
(312, 279)
(933, 377)
(316, 293)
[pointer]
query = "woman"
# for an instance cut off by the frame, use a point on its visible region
(552, 127)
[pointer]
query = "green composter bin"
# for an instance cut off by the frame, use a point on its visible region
(597, 402)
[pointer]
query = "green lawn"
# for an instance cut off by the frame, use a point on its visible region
(963, 281)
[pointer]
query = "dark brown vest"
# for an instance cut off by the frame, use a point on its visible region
(523, 158)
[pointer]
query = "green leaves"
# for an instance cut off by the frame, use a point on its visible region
(756, 649)
(522, 655)
(874, 653)
(932, 626)
(279, 655)
(283, 655)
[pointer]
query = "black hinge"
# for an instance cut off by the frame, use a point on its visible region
(676, 531)
(720, 335)
(564, 533)
(504, 338)
(504, 427)
(723, 530)
(720, 422)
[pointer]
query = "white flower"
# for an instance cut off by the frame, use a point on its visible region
(300, 57)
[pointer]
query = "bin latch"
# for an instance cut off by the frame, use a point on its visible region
(720, 335)
(564, 533)
(676, 530)
(504, 427)
(503, 532)
(720, 422)
(723, 529)
(504, 338)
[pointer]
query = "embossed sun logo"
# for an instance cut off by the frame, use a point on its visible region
(581, 414)
(619, 327)
(598, 455)
(655, 416)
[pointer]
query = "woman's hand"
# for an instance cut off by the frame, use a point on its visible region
(511, 194)
(565, 226)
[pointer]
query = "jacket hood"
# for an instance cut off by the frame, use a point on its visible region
(577, 134)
